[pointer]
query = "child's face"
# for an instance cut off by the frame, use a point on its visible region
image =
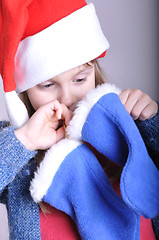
(68, 88)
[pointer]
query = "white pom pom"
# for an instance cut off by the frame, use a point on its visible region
(17, 112)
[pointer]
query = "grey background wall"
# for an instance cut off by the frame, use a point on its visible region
(133, 58)
(132, 28)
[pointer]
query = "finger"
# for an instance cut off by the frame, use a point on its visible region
(124, 95)
(60, 134)
(144, 108)
(137, 109)
(50, 109)
(66, 114)
(149, 111)
(57, 108)
(132, 99)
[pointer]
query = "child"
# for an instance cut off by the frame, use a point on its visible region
(55, 68)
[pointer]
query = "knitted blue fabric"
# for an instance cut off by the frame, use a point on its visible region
(81, 188)
(149, 130)
(15, 176)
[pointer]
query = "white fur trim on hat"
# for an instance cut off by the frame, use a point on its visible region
(17, 112)
(68, 43)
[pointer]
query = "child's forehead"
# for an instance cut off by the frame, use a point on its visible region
(83, 67)
(75, 71)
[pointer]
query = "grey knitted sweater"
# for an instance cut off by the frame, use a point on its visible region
(17, 167)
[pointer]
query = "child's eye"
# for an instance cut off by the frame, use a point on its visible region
(80, 80)
(46, 85)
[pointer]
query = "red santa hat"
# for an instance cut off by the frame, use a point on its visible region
(40, 39)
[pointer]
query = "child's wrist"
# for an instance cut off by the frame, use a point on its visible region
(21, 135)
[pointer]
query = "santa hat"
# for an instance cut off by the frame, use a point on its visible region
(71, 178)
(41, 39)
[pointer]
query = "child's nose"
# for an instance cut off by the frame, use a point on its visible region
(67, 98)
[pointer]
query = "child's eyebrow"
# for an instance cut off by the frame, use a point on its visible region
(86, 68)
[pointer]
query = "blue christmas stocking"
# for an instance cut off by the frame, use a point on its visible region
(71, 178)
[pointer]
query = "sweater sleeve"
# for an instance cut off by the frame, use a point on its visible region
(149, 130)
(13, 156)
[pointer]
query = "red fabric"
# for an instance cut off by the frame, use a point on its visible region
(22, 18)
(56, 225)
(60, 226)
(43, 13)
(102, 55)
(13, 19)
(146, 230)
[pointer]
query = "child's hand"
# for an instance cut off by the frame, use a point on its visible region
(41, 131)
(138, 104)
